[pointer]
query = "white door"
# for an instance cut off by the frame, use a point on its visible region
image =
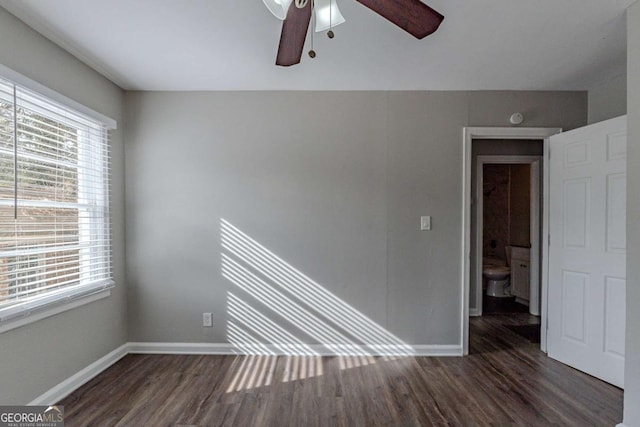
(587, 249)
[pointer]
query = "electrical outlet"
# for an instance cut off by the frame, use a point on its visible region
(207, 320)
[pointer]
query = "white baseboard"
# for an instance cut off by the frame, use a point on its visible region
(474, 312)
(294, 349)
(66, 387)
(180, 348)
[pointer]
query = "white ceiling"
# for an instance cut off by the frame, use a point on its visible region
(232, 44)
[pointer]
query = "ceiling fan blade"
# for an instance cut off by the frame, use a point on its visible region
(413, 16)
(294, 33)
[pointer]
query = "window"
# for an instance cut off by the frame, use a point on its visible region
(54, 204)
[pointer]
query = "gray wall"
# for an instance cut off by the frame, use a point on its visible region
(333, 183)
(38, 356)
(632, 359)
(608, 100)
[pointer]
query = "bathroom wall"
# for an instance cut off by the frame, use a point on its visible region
(496, 210)
(506, 218)
(520, 205)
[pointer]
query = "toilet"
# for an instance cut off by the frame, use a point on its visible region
(497, 273)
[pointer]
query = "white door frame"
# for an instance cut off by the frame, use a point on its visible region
(469, 134)
(534, 222)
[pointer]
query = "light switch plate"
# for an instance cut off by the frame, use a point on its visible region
(207, 320)
(425, 223)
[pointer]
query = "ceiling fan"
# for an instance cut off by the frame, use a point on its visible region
(413, 16)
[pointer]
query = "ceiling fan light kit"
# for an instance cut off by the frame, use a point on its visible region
(413, 16)
(279, 8)
(327, 15)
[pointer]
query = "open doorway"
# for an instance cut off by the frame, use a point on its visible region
(505, 234)
(530, 147)
(507, 231)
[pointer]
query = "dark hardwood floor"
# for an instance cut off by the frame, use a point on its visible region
(505, 380)
(492, 305)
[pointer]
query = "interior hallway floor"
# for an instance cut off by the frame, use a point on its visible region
(506, 380)
(514, 316)
(491, 305)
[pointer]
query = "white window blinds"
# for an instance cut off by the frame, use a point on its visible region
(54, 203)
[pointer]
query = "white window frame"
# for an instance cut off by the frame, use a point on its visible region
(62, 300)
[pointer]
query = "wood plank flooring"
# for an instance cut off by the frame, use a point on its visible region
(506, 380)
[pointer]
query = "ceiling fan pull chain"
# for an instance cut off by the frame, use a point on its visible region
(312, 53)
(330, 32)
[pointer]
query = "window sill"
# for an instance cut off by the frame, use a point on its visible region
(42, 312)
